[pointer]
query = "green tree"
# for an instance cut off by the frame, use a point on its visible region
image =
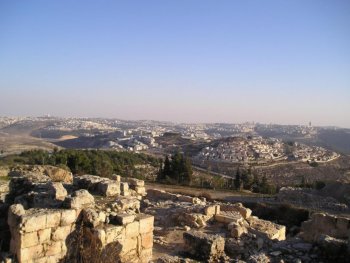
(160, 174)
(238, 180)
(247, 179)
(187, 171)
(167, 167)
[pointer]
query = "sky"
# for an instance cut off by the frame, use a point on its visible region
(268, 61)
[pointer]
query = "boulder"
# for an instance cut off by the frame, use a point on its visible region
(80, 199)
(204, 246)
(109, 188)
(266, 229)
(245, 212)
(228, 217)
(125, 203)
(332, 247)
(212, 210)
(57, 191)
(58, 174)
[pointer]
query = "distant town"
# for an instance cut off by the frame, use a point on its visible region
(245, 142)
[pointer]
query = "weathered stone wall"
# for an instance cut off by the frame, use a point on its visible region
(47, 235)
(40, 235)
(49, 224)
(132, 240)
(324, 224)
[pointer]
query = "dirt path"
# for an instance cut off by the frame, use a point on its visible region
(213, 194)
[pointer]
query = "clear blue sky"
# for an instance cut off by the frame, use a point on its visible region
(181, 60)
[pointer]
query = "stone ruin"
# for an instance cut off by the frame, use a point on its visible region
(209, 228)
(84, 217)
(56, 217)
(228, 232)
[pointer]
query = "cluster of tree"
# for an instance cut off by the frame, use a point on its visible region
(177, 169)
(318, 185)
(246, 179)
(99, 162)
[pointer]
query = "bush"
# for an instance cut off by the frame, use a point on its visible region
(319, 185)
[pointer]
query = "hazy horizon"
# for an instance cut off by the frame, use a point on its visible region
(283, 62)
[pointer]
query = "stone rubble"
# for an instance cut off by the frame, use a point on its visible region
(117, 220)
(246, 237)
(203, 246)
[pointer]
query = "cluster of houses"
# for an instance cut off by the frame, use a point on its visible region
(259, 149)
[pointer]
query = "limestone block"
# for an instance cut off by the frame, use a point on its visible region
(132, 229)
(124, 219)
(141, 190)
(212, 210)
(29, 239)
(58, 174)
(57, 191)
(146, 255)
(80, 199)
(146, 223)
(245, 212)
(109, 188)
(61, 233)
(53, 218)
(44, 235)
(194, 219)
(129, 244)
(228, 217)
(147, 240)
(114, 233)
(124, 189)
(161, 194)
(128, 203)
(53, 248)
(238, 231)
(116, 177)
(33, 221)
(30, 253)
(68, 217)
(102, 216)
(266, 229)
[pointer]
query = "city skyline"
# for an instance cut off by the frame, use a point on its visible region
(193, 61)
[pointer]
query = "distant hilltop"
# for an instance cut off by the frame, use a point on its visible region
(140, 135)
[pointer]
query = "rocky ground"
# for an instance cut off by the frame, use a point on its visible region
(47, 214)
(180, 224)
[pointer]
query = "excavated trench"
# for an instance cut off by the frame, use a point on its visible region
(283, 214)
